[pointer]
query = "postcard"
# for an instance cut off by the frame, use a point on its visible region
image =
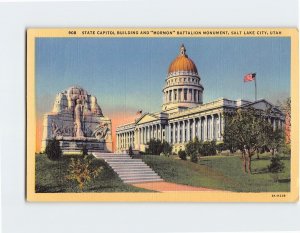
(162, 114)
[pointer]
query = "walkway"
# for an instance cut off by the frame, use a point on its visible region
(169, 187)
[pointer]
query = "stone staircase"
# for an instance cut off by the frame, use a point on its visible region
(129, 170)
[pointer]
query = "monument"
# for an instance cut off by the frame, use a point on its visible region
(77, 120)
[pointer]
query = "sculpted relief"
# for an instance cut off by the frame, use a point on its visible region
(78, 104)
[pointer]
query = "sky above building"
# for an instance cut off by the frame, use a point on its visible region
(128, 74)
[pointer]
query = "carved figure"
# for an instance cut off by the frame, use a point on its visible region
(101, 131)
(78, 116)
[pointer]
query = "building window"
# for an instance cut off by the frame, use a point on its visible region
(195, 95)
(175, 94)
(170, 95)
(185, 94)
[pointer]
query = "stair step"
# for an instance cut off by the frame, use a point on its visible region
(136, 172)
(128, 169)
(140, 178)
(138, 175)
(131, 169)
(128, 165)
(142, 181)
(127, 162)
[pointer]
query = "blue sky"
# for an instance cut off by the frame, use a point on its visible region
(128, 74)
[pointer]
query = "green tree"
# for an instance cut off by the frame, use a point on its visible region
(192, 150)
(285, 107)
(182, 154)
(53, 149)
(275, 139)
(166, 148)
(155, 147)
(243, 130)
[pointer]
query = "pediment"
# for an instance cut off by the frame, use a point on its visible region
(147, 118)
(263, 105)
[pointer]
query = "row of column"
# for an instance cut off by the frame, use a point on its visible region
(182, 94)
(276, 123)
(125, 139)
(140, 135)
(155, 131)
(205, 128)
(209, 127)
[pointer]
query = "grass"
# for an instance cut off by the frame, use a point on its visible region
(50, 177)
(221, 172)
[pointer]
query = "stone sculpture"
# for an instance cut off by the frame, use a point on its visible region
(76, 120)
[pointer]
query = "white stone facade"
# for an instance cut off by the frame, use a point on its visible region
(184, 116)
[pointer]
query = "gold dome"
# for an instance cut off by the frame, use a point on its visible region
(182, 63)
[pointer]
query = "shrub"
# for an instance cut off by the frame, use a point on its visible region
(208, 148)
(220, 147)
(182, 154)
(275, 167)
(192, 149)
(82, 171)
(166, 148)
(194, 157)
(155, 147)
(84, 150)
(53, 150)
(285, 149)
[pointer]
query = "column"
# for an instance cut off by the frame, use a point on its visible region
(169, 133)
(173, 132)
(178, 132)
(183, 131)
(199, 128)
(120, 140)
(194, 128)
(205, 129)
(188, 131)
(220, 126)
(212, 127)
(142, 135)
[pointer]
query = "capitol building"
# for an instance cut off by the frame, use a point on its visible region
(183, 114)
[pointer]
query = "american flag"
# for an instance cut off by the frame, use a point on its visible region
(249, 77)
(139, 112)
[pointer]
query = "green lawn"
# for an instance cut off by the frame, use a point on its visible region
(217, 172)
(50, 178)
(221, 172)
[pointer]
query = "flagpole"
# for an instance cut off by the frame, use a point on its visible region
(255, 88)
